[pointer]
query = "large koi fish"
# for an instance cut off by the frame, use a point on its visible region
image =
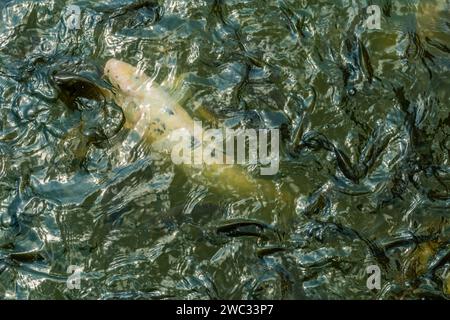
(156, 117)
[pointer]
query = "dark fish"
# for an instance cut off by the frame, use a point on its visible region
(150, 8)
(248, 228)
(346, 166)
(404, 240)
(300, 129)
(376, 250)
(438, 45)
(387, 8)
(318, 141)
(274, 276)
(317, 202)
(376, 144)
(269, 251)
(295, 22)
(27, 257)
(401, 99)
(365, 61)
(420, 52)
(315, 140)
(120, 10)
(440, 196)
(218, 9)
(74, 86)
(87, 91)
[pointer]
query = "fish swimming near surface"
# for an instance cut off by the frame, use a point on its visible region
(156, 117)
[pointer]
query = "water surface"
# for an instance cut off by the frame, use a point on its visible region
(364, 117)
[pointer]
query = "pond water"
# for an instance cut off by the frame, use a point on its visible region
(363, 116)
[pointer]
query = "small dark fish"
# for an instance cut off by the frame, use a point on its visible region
(376, 144)
(340, 229)
(416, 49)
(219, 9)
(365, 61)
(248, 228)
(74, 87)
(269, 251)
(439, 45)
(315, 140)
(89, 86)
(275, 276)
(401, 99)
(377, 251)
(150, 8)
(27, 257)
(317, 203)
(404, 240)
(299, 131)
(119, 10)
(387, 8)
(346, 166)
(440, 196)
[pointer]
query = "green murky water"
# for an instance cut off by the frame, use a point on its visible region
(365, 151)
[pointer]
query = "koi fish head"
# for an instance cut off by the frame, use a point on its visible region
(125, 77)
(130, 84)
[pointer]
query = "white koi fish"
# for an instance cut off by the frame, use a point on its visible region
(155, 116)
